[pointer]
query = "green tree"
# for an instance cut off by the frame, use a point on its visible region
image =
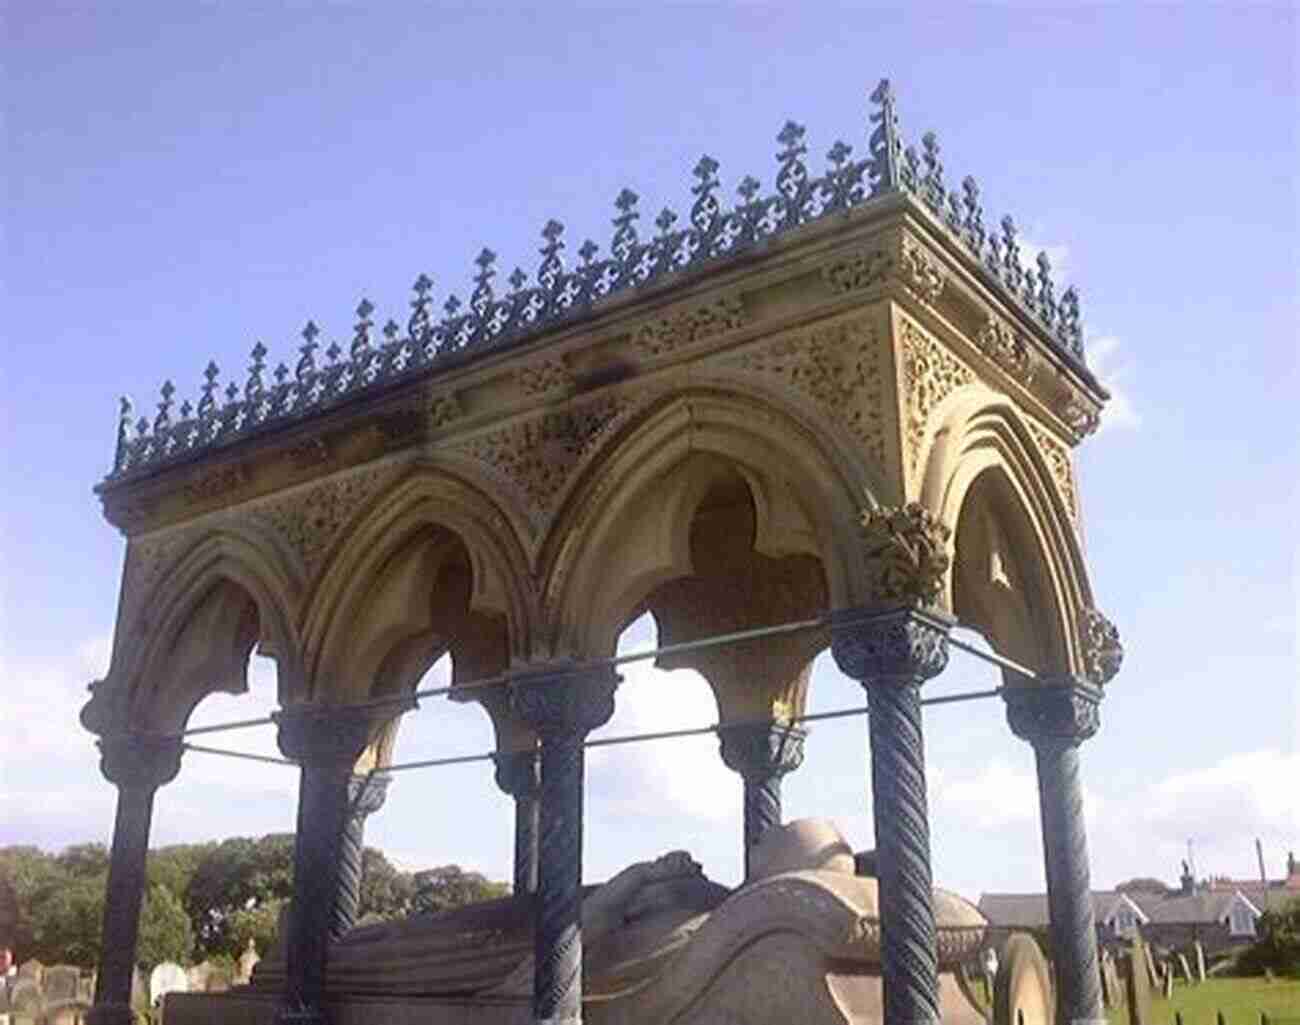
(66, 920)
(84, 860)
(1278, 947)
(258, 924)
(165, 931)
(450, 886)
(240, 873)
(386, 892)
(174, 866)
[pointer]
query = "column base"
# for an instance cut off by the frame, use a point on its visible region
(110, 1014)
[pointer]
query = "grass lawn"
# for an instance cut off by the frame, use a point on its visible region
(1240, 1000)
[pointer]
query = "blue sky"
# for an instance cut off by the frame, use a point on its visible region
(184, 179)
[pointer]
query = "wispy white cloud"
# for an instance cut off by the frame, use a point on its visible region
(1108, 359)
(1057, 255)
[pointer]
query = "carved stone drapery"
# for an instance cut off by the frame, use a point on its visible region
(561, 707)
(138, 764)
(1056, 717)
(761, 753)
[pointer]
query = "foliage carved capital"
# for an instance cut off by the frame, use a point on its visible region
(558, 701)
(1042, 713)
(906, 554)
(366, 794)
(899, 645)
(760, 751)
(1103, 654)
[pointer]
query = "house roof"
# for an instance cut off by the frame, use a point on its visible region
(1029, 910)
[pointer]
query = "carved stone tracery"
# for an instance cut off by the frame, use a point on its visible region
(839, 368)
(1002, 344)
(930, 374)
(665, 334)
(1058, 460)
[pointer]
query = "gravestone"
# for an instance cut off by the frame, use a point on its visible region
(1167, 980)
(61, 982)
(198, 976)
(1112, 990)
(86, 988)
(1149, 962)
(139, 990)
(247, 962)
(69, 1012)
(26, 1004)
(1137, 983)
(218, 980)
(1200, 962)
(167, 977)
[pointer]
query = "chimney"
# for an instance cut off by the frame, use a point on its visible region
(1187, 881)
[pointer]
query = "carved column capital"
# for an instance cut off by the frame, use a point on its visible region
(140, 759)
(1103, 653)
(903, 645)
(906, 555)
(558, 700)
(518, 773)
(327, 736)
(761, 750)
(1062, 711)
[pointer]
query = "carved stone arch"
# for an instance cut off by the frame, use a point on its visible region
(194, 631)
(989, 479)
(625, 527)
(384, 608)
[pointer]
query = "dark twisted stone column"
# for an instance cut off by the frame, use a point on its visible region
(761, 753)
(518, 774)
(1055, 718)
(366, 796)
(562, 707)
(138, 764)
(892, 654)
(326, 742)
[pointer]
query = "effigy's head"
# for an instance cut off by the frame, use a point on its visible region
(801, 845)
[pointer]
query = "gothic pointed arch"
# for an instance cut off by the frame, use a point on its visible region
(188, 631)
(431, 565)
(1018, 569)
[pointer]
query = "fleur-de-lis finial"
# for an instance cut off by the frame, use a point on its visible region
(625, 238)
(665, 221)
(748, 188)
(164, 417)
(307, 361)
(208, 403)
(973, 222)
(451, 305)
(517, 279)
(934, 188)
(705, 170)
(793, 176)
(587, 252)
(186, 409)
(361, 331)
(705, 209)
(1046, 289)
(254, 387)
(885, 146)
(417, 326)
(791, 137)
(1010, 253)
(391, 330)
(548, 273)
(482, 295)
(232, 393)
(838, 153)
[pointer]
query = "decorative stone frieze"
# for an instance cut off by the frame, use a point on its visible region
(210, 484)
(838, 367)
(920, 271)
(930, 374)
(906, 554)
(311, 520)
(1103, 654)
(857, 271)
(545, 377)
(999, 341)
(538, 456)
(665, 334)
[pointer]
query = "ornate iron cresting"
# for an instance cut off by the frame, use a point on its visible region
(562, 707)
(139, 765)
(1056, 719)
(761, 753)
(493, 320)
(892, 654)
(366, 795)
(517, 774)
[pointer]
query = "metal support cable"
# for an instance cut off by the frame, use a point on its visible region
(247, 756)
(683, 647)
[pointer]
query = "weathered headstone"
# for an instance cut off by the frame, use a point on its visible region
(167, 977)
(61, 982)
(1022, 991)
(1167, 980)
(69, 1012)
(1149, 962)
(218, 980)
(198, 976)
(139, 990)
(86, 988)
(1185, 969)
(247, 962)
(1137, 983)
(1200, 962)
(1112, 990)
